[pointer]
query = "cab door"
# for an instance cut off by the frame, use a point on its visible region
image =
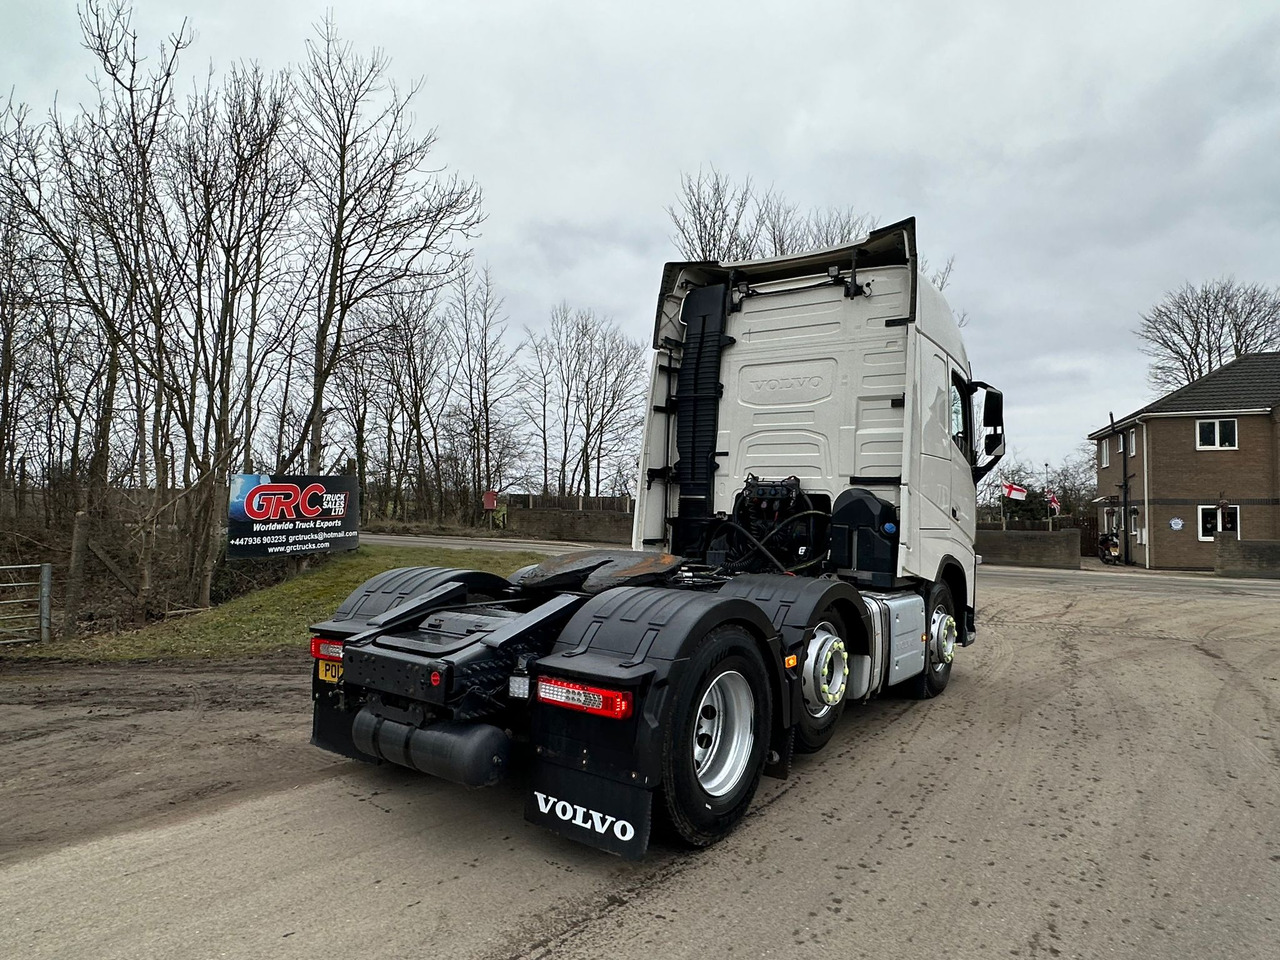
(936, 449)
(963, 503)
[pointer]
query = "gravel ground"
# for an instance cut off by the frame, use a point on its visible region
(1100, 779)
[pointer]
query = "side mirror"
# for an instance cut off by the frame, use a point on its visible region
(992, 426)
(993, 409)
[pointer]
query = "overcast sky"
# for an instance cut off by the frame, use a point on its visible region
(1077, 160)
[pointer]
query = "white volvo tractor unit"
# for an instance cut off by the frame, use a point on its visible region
(803, 540)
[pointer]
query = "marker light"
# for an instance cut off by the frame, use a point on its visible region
(578, 696)
(323, 649)
(791, 661)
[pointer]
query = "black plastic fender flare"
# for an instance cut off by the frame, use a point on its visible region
(964, 610)
(637, 638)
(391, 588)
(793, 605)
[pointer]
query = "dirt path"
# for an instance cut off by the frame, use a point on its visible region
(1102, 778)
(91, 750)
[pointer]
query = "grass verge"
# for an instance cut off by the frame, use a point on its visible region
(266, 621)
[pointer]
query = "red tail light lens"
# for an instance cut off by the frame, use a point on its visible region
(577, 696)
(323, 649)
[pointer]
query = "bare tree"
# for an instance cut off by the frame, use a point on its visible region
(1194, 330)
(479, 329)
(375, 214)
(718, 218)
(535, 398)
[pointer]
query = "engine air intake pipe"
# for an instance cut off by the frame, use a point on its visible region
(472, 754)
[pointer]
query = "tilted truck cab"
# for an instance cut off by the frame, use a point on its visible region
(803, 539)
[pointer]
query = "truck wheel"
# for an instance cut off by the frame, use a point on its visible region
(941, 646)
(824, 680)
(715, 744)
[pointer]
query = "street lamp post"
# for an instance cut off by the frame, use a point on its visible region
(1048, 507)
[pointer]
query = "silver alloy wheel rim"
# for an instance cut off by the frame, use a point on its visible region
(724, 733)
(825, 672)
(943, 630)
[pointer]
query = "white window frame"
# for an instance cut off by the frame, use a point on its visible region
(1133, 523)
(1217, 520)
(1216, 429)
(1120, 443)
(1104, 455)
(1133, 441)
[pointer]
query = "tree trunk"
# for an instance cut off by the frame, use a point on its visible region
(75, 574)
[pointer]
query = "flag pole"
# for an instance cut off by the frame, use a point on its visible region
(1003, 526)
(1048, 508)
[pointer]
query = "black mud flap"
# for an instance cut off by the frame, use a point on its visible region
(331, 730)
(601, 813)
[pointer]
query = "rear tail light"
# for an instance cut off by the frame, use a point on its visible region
(578, 696)
(323, 649)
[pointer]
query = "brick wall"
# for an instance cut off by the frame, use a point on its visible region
(1247, 558)
(1030, 548)
(1182, 479)
(1110, 478)
(601, 526)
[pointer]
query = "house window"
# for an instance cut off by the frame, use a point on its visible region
(1104, 454)
(1216, 435)
(1214, 519)
(1133, 523)
(1120, 442)
(1133, 442)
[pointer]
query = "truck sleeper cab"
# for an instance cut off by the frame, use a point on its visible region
(803, 538)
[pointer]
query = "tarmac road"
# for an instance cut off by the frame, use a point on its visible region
(1099, 780)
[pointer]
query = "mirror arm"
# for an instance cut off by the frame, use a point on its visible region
(980, 472)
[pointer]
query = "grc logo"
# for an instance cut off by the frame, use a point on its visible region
(276, 501)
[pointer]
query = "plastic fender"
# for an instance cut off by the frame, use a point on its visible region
(964, 609)
(793, 605)
(391, 588)
(638, 638)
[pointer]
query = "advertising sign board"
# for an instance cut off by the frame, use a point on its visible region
(275, 515)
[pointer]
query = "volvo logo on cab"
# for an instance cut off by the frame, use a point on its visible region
(583, 817)
(786, 383)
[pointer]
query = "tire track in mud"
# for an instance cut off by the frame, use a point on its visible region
(1073, 738)
(94, 749)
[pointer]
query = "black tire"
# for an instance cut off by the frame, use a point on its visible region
(814, 733)
(727, 657)
(936, 675)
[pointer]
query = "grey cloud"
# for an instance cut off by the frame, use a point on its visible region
(1077, 161)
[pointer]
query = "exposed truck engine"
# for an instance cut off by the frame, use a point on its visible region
(803, 541)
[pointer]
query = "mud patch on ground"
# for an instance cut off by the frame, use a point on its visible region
(90, 750)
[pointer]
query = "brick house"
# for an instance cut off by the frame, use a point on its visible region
(1201, 460)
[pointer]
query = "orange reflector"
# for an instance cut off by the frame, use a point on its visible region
(790, 662)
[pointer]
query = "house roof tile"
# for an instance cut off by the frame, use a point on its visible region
(1251, 382)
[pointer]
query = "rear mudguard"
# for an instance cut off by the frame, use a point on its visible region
(391, 588)
(594, 776)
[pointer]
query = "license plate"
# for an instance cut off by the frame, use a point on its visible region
(330, 670)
